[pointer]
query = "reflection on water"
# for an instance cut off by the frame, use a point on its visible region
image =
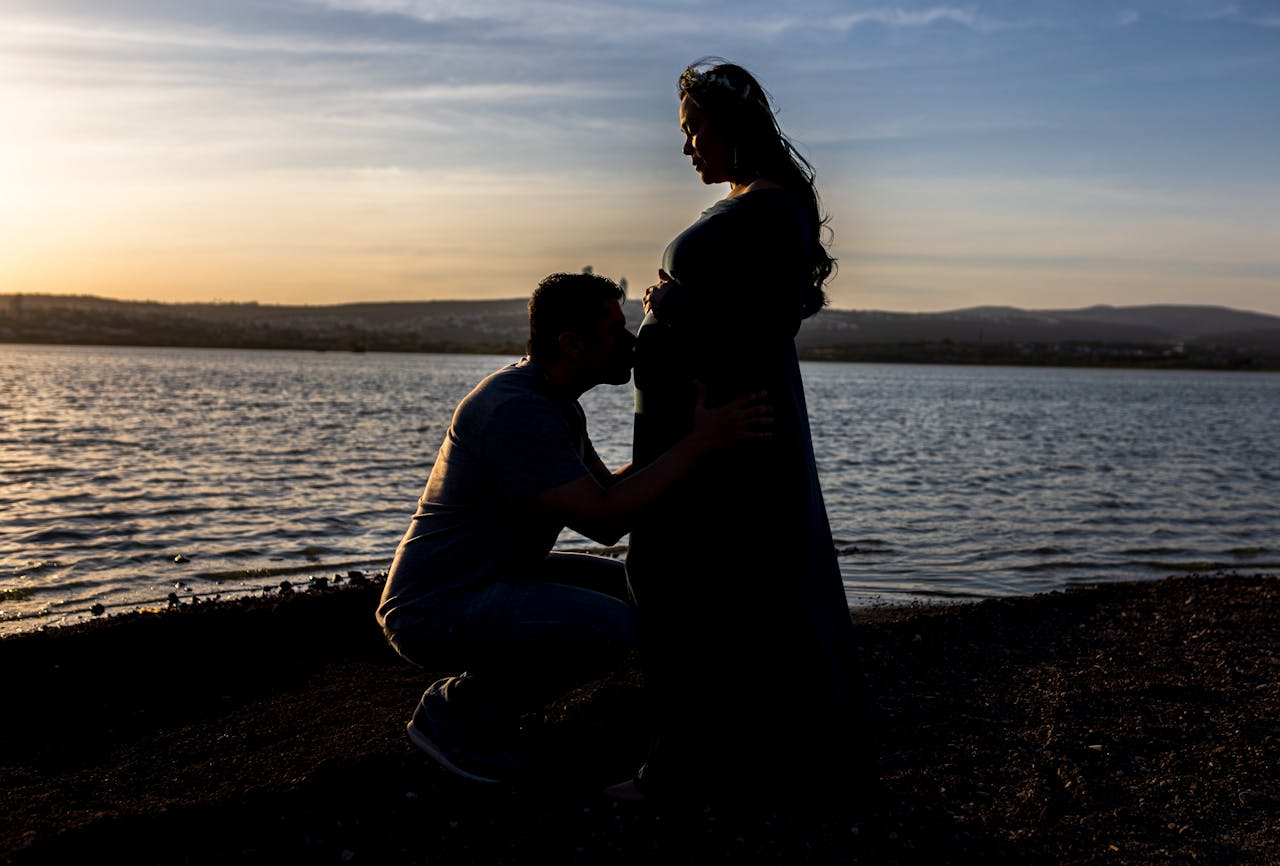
(129, 474)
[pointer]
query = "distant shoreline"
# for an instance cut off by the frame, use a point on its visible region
(945, 353)
(1149, 337)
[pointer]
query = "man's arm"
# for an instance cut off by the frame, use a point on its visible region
(601, 473)
(602, 505)
(604, 475)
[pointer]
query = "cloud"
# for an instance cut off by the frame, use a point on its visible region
(426, 10)
(1261, 14)
(498, 93)
(897, 17)
(538, 19)
(56, 46)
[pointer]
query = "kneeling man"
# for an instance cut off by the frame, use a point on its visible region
(475, 586)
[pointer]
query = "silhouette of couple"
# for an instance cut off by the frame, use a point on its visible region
(747, 648)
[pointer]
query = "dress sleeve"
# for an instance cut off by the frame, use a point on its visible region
(740, 270)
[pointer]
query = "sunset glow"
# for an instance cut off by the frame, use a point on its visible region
(324, 151)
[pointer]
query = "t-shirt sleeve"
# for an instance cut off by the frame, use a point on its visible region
(532, 447)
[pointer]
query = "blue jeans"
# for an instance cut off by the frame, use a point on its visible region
(518, 643)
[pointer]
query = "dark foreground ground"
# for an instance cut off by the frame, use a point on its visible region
(1133, 724)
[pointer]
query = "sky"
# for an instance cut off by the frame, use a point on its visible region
(1042, 155)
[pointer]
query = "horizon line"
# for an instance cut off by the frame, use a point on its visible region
(994, 307)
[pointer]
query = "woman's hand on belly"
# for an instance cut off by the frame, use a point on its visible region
(654, 294)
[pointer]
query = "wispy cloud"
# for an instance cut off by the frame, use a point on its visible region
(530, 19)
(54, 35)
(498, 94)
(1253, 12)
(898, 17)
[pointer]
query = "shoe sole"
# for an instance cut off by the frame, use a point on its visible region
(421, 740)
(626, 792)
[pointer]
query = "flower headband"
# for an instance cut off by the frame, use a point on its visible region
(694, 81)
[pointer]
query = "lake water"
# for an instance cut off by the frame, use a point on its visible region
(128, 475)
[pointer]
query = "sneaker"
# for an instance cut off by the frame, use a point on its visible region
(628, 792)
(454, 751)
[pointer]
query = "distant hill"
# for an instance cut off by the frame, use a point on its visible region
(1151, 324)
(1166, 335)
(414, 326)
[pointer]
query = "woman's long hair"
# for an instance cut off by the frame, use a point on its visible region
(737, 104)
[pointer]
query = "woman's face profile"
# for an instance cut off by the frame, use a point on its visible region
(703, 144)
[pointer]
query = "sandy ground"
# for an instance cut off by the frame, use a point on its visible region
(1123, 723)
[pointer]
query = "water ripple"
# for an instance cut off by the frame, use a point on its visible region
(127, 473)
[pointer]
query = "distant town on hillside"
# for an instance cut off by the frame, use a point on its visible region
(1205, 337)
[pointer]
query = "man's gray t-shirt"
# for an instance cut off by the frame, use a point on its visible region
(510, 439)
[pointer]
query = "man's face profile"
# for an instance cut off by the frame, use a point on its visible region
(608, 345)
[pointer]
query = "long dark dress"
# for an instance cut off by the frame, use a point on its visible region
(746, 639)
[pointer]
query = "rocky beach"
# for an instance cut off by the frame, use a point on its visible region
(1134, 723)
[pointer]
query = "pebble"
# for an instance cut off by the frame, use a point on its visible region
(1254, 799)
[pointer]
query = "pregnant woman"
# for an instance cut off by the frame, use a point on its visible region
(745, 634)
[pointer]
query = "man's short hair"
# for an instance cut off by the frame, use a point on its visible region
(566, 303)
